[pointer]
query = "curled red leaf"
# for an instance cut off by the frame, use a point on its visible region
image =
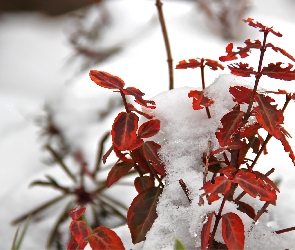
(106, 80)
(199, 100)
(262, 27)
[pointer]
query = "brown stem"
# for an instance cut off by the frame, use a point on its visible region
(258, 76)
(185, 189)
(124, 101)
(285, 230)
(261, 211)
(207, 163)
(59, 159)
(203, 84)
(218, 217)
(100, 153)
(167, 44)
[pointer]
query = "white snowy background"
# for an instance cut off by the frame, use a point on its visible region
(33, 58)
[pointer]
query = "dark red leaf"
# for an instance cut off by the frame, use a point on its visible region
(262, 28)
(214, 65)
(228, 169)
(233, 231)
(105, 239)
(142, 213)
(136, 144)
(124, 130)
(149, 129)
(250, 130)
(254, 187)
(247, 209)
(268, 116)
(242, 51)
(287, 148)
(266, 180)
(221, 185)
(278, 49)
(150, 152)
(241, 69)
(231, 123)
(140, 160)
(205, 234)
(79, 231)
(199, 100)
(106, 80)
(77, 212)
(137, 95)
(73, 245)
(241, 94)
(132, 108)
(193, 63)
(277, 72)
(118, 171)
(142, 183)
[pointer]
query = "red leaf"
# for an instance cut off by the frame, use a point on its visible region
(214, 65)
(213, 197)
(199, 100)
(247, 209)
(233, 231)
(73, 245)
(77, 212)
(142, 213)
(193, 63)
(278, 49)
(254, 187)
(142, 183)
(79, 231)
(118, 171)
(205, 234)
(266, 179)
(132, 108)
(262, 28)
(221, 185)
(141, 161)
(241, 69)
(242, 51)
(136, 144)
(268, 116)
(287, 148)
(106, 80)
(241, 94)
(124, 130)
(277, 72)
(105, 238)
(231, 123)
(138, 96)
(150, 152)
(149, 129)
(250, 130)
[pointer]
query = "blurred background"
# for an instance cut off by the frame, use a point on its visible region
(52, 114)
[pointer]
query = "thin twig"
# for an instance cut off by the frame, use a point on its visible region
(185, 189)
(167, 44)
(207, 163)
(100, 153)
(285, 230)
(60, 161)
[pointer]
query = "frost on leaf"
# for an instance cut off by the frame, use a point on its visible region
(199, 100)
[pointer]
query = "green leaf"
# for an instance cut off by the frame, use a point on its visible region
(178, 245)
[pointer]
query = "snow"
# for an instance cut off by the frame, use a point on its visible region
(184, 137)
(34, 71)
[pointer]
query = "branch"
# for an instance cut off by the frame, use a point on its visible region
(167, 44)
